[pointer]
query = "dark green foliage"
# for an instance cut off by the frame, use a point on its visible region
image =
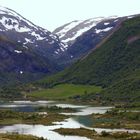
(10, 93)
(104, 133)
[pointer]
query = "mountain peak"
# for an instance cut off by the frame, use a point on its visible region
(70, 31)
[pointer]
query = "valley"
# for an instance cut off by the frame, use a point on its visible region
(79, 82)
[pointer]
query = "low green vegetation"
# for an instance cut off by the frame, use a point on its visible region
(103, 136)
(8, 117)
(65, 91)
(14, 136)
(78, 132)
(52, 109)
(117, 118)
(10, 92)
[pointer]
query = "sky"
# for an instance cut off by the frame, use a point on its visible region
(51, 14)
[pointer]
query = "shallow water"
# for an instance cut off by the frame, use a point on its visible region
(89, 110)
(79, 119)
(70, 106)
(45, 131)
(25, 106)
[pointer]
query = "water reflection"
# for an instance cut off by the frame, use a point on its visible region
(80, 118)
(45, 131)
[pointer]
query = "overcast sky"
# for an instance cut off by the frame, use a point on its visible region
(53, 13)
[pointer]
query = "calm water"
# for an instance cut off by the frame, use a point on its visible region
(45, 131)
(79, 119)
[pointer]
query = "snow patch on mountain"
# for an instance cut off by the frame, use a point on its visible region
(69, 32)
(12, 21)
(21, 72)
(37, 36)
(130, 17)
(56, 52)
(25, 47)
(51, 42)
(64, 45)
(116, 20)
(28, 41)
(103, 30)
(7, 11)
(78, 33)
(97, 19)
(12, 24)
(107, 23)
(67, 28)
(17, 51)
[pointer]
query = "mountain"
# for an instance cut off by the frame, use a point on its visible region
(86, 34)
(25, 47)
(70, 31)
(114, 65)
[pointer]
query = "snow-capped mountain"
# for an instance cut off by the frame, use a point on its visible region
(20, 30)
(25, 47)
(12, 21)
(81, 37)
(70, 31)
(84, 39)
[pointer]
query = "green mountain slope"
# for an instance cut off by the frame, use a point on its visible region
(115, 65)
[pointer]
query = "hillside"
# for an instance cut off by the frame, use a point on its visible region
(115, 65)
(20, 64)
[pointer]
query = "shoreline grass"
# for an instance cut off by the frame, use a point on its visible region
(92, 134)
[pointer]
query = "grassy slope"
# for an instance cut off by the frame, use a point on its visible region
(114, 66)
(64, 91)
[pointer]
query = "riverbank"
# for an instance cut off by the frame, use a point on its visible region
(92, 134)
(9, 117)
(117, 118)
(14, 136)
